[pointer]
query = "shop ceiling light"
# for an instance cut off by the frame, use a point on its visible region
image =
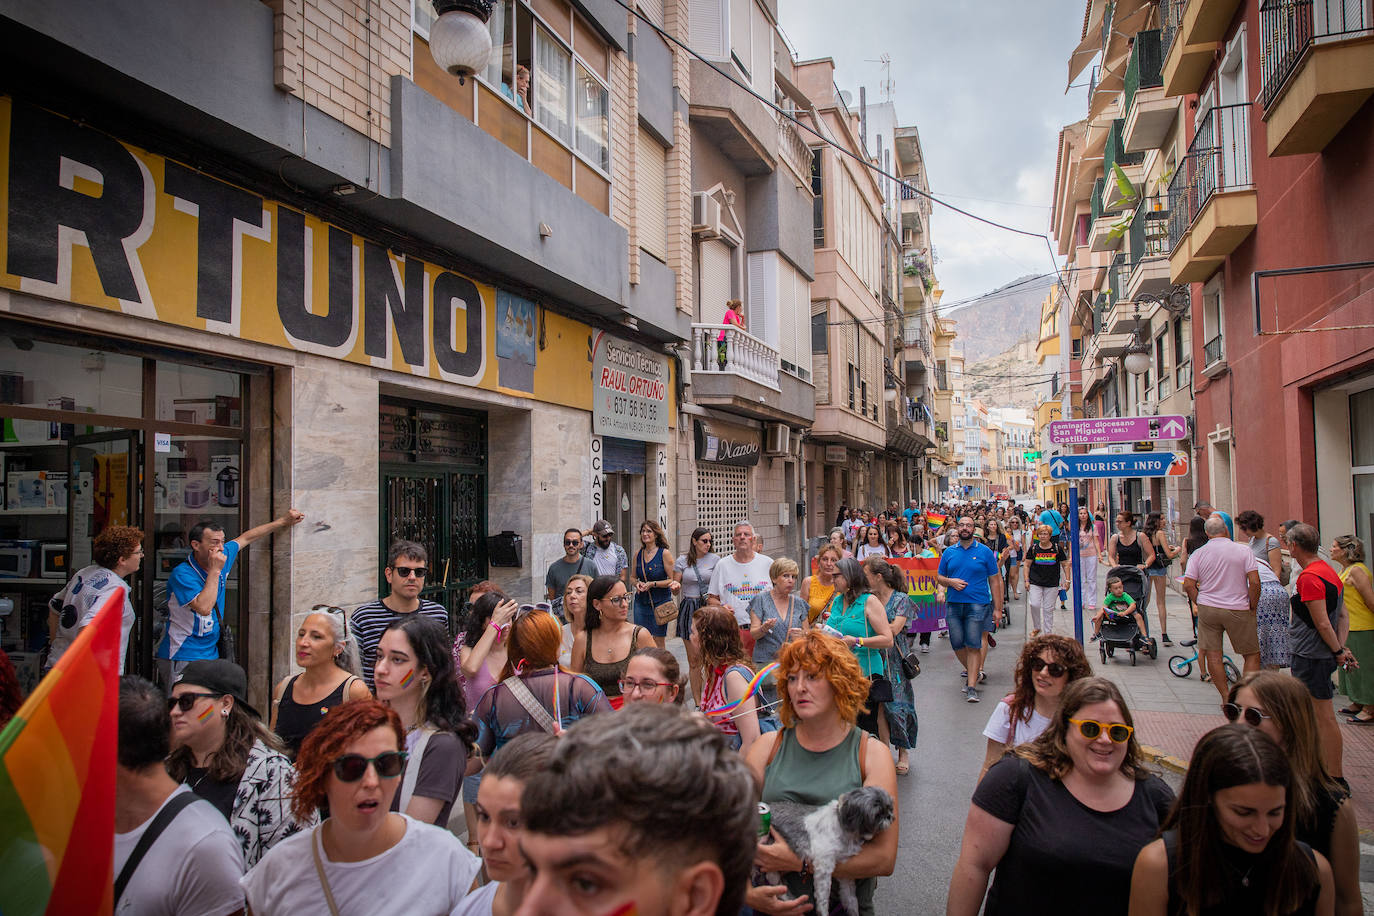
(459, 39)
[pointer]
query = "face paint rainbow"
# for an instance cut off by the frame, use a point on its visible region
(405, 681)
(209, 711)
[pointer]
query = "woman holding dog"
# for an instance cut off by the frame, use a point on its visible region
(1071, 809)
(820, 754)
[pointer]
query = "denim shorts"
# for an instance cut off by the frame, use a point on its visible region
(967, 622)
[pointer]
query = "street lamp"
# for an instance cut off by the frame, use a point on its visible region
(1176, 301)
(459, 39)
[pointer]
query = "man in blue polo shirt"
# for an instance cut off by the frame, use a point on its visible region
(1052, 518)
(195, 593)
(974, 600)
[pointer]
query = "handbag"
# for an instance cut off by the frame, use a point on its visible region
(911, 666)
(879, 687)
(666, 612)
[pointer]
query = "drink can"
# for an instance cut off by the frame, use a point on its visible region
(828, 630)
(765, 819)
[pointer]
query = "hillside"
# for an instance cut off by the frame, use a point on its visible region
(994, 322)
(1006, 379)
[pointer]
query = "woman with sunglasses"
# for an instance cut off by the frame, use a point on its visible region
(1228, 844)
(1047, 665)
(483, 652)
(1068, 811)
(534, 694)
(1323, 817)
(329, 676)
(415, 677)
(653, 676)
(652, 583)
(602, 651)
(575, 611)
(692, 571)
(356, 862)
(224, 753)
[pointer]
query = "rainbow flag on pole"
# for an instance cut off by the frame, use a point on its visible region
(57, 781)
(935, 519)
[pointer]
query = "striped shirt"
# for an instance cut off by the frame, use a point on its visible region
(370, 621)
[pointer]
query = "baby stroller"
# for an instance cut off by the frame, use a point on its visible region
(1124, 634)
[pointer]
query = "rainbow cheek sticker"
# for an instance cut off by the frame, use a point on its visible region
(209, 711)
(628, 909)
(405, 681)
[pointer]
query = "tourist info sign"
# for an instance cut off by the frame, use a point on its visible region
(1135, 464)
(1117, 429)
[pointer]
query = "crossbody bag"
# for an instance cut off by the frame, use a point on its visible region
(161, 822)
(667, 611)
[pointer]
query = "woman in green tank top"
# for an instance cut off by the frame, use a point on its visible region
(818, 756)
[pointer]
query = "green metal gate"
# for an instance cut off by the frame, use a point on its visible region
(434, 492)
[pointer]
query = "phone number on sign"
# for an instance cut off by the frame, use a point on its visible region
(636, 409)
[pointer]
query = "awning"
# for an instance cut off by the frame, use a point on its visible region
(1091, 40)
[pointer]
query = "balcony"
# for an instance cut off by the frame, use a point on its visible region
(792, 149)
(1150, 114)
(1187, 57)
(1213, 356)
(1104, 233)
(1211, 198)
(1093, 269)
(733, 120)
(1316, 70)
(1114, 196)
(908, 433)
(1116, 280)
(1148, 270)
(1113, 345)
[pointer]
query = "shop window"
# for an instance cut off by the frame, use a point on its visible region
(722, 499)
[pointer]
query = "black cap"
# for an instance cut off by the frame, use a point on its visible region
(218, 675)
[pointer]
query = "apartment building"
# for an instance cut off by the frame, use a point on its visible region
(265, 255)
(1014, 437)
(949, 407)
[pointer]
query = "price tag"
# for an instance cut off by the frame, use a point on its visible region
(162, 442)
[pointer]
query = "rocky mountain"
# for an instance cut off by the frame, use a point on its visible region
(994, 322)
(1006, 379)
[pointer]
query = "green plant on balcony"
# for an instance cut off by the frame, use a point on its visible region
(1124, 186)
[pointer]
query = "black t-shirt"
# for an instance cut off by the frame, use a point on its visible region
(1044, 564)
(1060, 843)
(219, 794)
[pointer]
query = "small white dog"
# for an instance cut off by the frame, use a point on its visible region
(831, 834)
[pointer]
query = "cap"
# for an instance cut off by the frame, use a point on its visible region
(219, 675)
(602, 527)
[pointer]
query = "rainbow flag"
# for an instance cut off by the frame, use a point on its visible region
(935, 519)
(57, 781)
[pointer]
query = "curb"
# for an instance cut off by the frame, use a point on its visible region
(1163, 759)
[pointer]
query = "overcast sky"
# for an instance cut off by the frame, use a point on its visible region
(983, 80)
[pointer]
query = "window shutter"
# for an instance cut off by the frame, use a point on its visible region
(653, 11)
(739, 32)
(707, 28)
(762, 36)
(652, 197)
(761, 310)
(713, 284)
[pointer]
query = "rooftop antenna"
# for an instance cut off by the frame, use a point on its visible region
(887, 85)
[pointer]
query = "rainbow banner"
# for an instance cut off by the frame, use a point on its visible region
(57, 781)
(935, 519)
(924, 592)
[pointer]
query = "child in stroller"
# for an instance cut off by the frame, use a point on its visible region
(1118, 607)
(1120, 624)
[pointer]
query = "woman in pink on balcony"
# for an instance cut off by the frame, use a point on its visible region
(734, 314)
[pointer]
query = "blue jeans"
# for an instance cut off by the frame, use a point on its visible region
(966, 624)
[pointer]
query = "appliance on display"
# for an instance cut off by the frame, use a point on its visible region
(16, 559)
(196, 494)
(169, 558)
(52, 561)
(228, 481)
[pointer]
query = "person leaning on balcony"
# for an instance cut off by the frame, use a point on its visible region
(734, 314)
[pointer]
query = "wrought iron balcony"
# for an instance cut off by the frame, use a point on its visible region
(1171, 17)
(1096, 203)
(1117, 275)
(1145, 70)
(1149, 233)
(1212, 352)
(1223, 147)
(1180, 199)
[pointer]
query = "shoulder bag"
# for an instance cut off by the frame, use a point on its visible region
(528, 700)
(315, 842)
(160, 823)
(666, 612)
(880, 688)
(417, 756)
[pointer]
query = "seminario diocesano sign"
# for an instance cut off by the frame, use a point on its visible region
(629, 390)
(100, 223)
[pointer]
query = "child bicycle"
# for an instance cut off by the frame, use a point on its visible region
(1181, 666)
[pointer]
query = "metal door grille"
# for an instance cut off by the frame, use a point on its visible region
(722, 500)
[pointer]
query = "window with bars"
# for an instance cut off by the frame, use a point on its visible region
(722, 499)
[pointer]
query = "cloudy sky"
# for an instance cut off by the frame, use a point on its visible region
(983, 80)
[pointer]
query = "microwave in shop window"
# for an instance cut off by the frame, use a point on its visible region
(169, 558)
(52, 561)
(16, 559)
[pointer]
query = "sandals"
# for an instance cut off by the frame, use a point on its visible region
(1356, 720)
(903, 767)
(1206, 679)
(1350, 711)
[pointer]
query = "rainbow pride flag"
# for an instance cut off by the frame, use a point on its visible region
(57, 781)
(935, 519)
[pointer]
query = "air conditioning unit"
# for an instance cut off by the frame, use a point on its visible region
(1149, 408)
(777, 439)
(705, 216)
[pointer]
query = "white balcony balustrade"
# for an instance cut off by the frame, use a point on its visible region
(743, 354)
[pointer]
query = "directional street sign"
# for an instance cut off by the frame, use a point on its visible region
(1118, 429)
(1134, 464)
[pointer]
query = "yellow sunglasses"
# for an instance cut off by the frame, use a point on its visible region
(1091, 728)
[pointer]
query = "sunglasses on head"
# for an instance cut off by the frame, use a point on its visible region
(405, 572)
(186, 701)
(531, 608)
(352, 767)
(1252, 716)
(332, 609)
(1091, 728)
(1038, 664)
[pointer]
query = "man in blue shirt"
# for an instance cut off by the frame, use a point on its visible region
(974, 600)
(909, 515)
(195, 593)
(1052, 518)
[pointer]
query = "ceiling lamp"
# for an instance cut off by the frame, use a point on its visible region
(459, 39)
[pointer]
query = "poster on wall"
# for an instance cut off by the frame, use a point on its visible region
(629, 390)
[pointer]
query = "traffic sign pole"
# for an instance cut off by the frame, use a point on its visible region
(1073, 565)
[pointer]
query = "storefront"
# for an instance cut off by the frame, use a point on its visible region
(184, 347)
(726, 456)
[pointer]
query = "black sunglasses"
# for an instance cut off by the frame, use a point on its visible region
(1038, 664)
(405, 572)
(352, 767)
(569, 542)
(185, 701)
(1234, 713)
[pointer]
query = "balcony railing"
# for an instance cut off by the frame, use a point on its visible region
(1171, 17)
(1179, 199)
(1149, 234)
(1145, 71)
(794, 149)
(1115, 151)
(1096, 203)
(1218, 159)
(1287, 27)
(1117, 276)
(740, 353)
(1093, 79)
(1212, 351)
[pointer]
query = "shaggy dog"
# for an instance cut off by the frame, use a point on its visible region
(830, 834)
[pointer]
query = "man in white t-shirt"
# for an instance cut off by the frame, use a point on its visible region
(740, 576)
(193, 866)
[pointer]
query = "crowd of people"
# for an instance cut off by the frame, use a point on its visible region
(568, 735)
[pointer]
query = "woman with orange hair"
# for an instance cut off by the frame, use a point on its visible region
(353, 760)
(820, 754)
(534, 693)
